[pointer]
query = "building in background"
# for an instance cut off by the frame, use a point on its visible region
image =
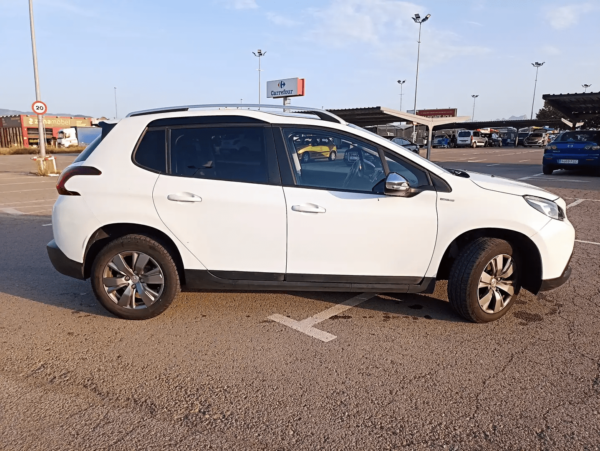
(22, 130)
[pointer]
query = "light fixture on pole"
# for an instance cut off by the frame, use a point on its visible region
(586, 86)
(537, 68)
(41, 129)
(401, 82)
(417, 19)
(259, 54)
(473, 115)
(116, 112)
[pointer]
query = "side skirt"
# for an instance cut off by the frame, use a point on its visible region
(202, 280)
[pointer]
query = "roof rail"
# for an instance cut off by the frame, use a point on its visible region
(322, 114)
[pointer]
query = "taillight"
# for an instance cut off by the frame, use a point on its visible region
(72, 172)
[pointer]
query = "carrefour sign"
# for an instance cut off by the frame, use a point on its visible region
(288, 87)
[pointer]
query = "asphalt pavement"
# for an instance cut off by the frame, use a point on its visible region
(218, 371)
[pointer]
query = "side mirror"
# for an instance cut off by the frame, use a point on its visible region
(396, 185)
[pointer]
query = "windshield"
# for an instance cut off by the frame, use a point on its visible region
(536, 135)
(583, 136)
(61, 135)
(464, 134)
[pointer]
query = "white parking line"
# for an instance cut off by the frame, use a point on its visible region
(521, 161)
(587, 242)
(476, 161)
(20, 203)
(26, 190)
(306, 325)
(558, 179)
(577, 202)
(12, 211)
(531, 176)
(495, 164)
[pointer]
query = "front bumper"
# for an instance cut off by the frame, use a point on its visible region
(551, 284)
(62, 263)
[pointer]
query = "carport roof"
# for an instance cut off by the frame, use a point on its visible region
(516, 123)
(577, 105)
(378, 115)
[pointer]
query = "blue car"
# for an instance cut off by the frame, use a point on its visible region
(571, 150)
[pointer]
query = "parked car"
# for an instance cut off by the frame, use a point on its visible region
(573, 149)
(493, 140)
(194, 217)
(406, 144)
(508, 138)
(440, 141)
(521, 138)
(470, 138)
(538, 139)
(311, 147)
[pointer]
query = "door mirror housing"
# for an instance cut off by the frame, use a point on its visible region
(396, 185)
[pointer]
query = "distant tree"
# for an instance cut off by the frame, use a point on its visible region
(547, 112)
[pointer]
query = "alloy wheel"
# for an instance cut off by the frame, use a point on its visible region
(496, 284)
(133, 280)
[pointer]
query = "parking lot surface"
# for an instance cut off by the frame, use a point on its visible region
(230, 371)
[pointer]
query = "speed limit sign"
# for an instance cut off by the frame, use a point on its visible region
(39, 107)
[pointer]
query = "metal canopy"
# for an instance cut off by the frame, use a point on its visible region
(577, 105)
(516, 123)
(378, 115)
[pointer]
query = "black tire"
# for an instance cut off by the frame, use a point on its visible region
(332, 155)
(547, 170)
(157, 252)
(465, 275)
(474, 144)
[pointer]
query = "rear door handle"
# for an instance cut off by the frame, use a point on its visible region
(308, 208)
(184, 197)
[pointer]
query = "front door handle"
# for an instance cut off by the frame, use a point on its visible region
(308, 208)
(184, 197)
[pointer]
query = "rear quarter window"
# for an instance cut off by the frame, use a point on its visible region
(151, 152)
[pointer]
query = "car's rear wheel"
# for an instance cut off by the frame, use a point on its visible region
(474, 144)
(484, 280)
(332, 155)
(547, 169)
(135, 277)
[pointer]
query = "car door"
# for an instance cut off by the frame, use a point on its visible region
(224, 202)
(340, 230)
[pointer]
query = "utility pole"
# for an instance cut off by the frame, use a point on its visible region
(585, 87)
(417, 19)
(38, 97)
(401, 83)
(259, 54)
(537, 68)
(116, 112)
(473, 115)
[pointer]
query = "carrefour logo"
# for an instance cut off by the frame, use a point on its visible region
(281, 84)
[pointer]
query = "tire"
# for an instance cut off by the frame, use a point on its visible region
(467, 272)
(547, 170)
(332, 155)
(158, 296)
(474, 144)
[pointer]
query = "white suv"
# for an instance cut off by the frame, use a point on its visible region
(161, 202)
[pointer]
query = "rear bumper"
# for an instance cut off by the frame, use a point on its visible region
(62, 263)
(582, 160)
(551, 284)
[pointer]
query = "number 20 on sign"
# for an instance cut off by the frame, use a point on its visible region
(39, 107)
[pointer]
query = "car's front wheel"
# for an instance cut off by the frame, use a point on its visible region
(484, 280)
(135, 277)
(332, 155)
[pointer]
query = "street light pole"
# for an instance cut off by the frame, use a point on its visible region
(116, 111)
(259, 54)
(537, 68)
(417, 19)
(41, 129)
(585, 87)
(401, 83)
(473, 115)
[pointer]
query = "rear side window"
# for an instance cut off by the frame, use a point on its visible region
(88, 150)
(236, 154)
(151, 153)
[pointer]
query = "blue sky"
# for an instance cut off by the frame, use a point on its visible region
(350, 52)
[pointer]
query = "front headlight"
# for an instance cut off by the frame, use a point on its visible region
(545, 206)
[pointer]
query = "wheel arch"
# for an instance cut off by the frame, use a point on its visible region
(110, 232)
(528, 252)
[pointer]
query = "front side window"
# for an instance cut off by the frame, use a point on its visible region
(151, 152)
(323, 159)
(416, 177)
(235, 154)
